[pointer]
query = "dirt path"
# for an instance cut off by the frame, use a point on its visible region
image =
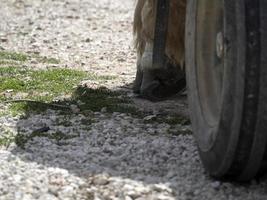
(88, 35)
(103, 155)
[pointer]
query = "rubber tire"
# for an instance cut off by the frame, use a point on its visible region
(236, 147)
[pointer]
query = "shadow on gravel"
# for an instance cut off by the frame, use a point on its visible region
(100, 137)
(102, 131)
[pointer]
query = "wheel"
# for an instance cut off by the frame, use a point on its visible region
(226, 67)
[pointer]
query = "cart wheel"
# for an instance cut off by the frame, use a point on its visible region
(226, 43)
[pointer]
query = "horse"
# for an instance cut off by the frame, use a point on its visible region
(161, 82)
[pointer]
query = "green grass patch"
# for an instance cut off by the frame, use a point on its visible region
(54, 82)
(4, 113)
(41, 87)
(5, 55)
(9, 63)
(11, 58)
(170, 119)
(179, 132)
(60, 138)
(97, 99)
(175, 119)
(7, 137)
(21, 139)
(44, 59)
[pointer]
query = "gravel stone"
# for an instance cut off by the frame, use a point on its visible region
(117, 156)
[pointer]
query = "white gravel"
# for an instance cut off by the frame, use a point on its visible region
(107, 156)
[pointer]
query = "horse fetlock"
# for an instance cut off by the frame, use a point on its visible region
(138, 80)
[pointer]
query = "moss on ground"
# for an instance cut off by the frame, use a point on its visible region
(27, 91)
(102, 98)
(21, 139)
(5, 55)
(40, 88)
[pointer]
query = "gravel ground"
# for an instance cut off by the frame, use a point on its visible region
(110, 156)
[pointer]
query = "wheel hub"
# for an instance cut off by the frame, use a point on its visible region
(219, 45)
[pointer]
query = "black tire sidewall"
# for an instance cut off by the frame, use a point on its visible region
(217, 158)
